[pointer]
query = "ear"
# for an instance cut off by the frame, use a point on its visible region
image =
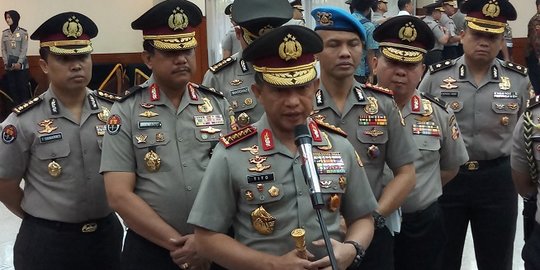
(375, 64)
(423, 68)
(147, 59)
(44, 66)
(240, 36)
(257, 91)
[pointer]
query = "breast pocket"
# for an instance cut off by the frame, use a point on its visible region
(263, 200)
(506, 113)
(209, 133)
(54, 157)
(243, 101)
(427, 143)
(372, 134)
(151, 152)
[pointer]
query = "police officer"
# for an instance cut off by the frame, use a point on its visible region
(441, 33)
(14, 49)
(524, 160)
(405, 40)
(234, 75)
(256, 176)
(487, 96)
(452, 10)
(369, 115)
(159, 141)
(54, 142)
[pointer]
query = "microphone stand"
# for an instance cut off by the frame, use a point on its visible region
(303, 137)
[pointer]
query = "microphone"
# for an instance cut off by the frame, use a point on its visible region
(303, 142)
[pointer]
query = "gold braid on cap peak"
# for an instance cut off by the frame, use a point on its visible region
(402, 55)
(473, 24)
(76, 42)
(71, 51)
(289, 76)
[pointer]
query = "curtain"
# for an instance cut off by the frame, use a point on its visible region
(217, 26)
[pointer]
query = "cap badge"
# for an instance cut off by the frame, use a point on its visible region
(72, 28)
(290, 48)
(178, 19)
(491, 9)
(408, 32)
(325, 18)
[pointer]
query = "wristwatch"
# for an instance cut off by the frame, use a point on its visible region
(380, 220)
(360, 253)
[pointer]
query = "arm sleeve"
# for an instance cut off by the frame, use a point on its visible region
(15, 154)
(453, 151)
(518, 158)
(401, 148)
(215, 205)
(24, 48)
(118, 154)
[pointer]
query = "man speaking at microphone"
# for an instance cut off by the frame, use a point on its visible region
(255, 183)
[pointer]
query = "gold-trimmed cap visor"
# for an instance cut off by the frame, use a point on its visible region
(286, 77)
(184, 41)
(398, 53)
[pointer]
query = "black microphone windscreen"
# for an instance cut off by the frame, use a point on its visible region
(301, 131)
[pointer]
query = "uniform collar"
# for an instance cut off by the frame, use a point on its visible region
(268, 144)
(414, 106)
(55, 109)
(356, 96)
(463, 74)
(242, 65)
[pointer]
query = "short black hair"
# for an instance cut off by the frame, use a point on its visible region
(44, 53)
(147, 46)
(537, 2)
(401, 3)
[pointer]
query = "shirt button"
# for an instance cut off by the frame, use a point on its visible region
(299, 193)
(295, 161)
(184, 164)
(343, 121)
(189, 188)
(180, 139)
(53, 155)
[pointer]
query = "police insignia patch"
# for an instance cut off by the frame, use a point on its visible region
(9, 134)
(113, 124)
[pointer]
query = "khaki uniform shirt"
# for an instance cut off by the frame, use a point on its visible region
(46, 133)
(487, 113)
(233, 192)
(436, 28)
(183, 139)
(15, 47)
(377, 136)
(459, 21)
(234, 76)
(436, 134)
(519, 159)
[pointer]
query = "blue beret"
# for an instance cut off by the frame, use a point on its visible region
(337, 19)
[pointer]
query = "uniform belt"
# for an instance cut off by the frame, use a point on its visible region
(475, 165)
(427, 211)
(89, 226)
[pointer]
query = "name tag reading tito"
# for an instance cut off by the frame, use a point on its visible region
(260, 178)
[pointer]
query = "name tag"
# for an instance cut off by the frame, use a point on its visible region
(449, 94)
(239, 91)
(149, 124)
(260, 178)
(208, 120)
(50, 137)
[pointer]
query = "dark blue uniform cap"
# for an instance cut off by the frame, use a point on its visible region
(404, 39)
(488, 15)
(67, 33)
(336, 19)
(285, 56)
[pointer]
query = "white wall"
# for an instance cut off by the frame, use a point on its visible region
(113, 18)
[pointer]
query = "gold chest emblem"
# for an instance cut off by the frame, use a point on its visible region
(408, 32)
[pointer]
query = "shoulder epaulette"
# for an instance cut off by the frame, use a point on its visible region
(515, 67)
(108, 96)
(440, 66)
(330, 127)
(23, 29)
(130, 92)
(533, 102)
(221, 64)
(208, 89)
(435, 100)
(379, 89)
(237, 136)
(26, 105)
(5, 30)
